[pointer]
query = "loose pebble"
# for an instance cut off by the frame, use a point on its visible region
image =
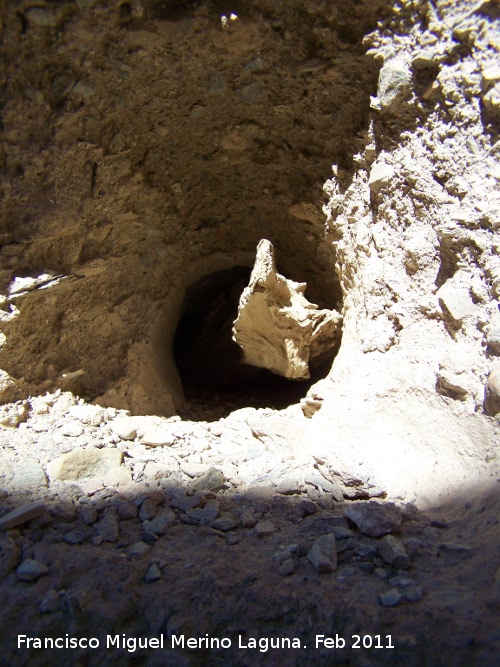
(153, 574)
(323, 554)
(391, 598)
(31, 570)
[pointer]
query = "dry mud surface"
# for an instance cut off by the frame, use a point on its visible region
(156, 490)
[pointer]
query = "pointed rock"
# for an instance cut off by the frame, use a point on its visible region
(277, 327)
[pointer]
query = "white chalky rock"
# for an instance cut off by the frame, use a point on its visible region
(456, 300)
(93, 415)
(84, 463)
(157, 437)
(277, 328)
(6, 383)
(381, 174)
(126, 427)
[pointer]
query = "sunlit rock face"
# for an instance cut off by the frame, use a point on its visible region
(277, 327)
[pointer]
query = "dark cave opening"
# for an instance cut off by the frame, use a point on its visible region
(214, 378)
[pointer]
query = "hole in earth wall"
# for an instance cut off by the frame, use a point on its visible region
(214, 377)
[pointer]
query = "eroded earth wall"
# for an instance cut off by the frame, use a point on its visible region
(416, 236)
(146, 146)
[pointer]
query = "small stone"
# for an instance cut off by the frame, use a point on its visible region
(194, 469)
(401, 582)
(265, 528)
(147, 510)
(491, 74)
(84, 463)
(394, 84)
(374, 519)
(7, 383)
(413, 547)
(287, 567)
(155, 497)
(380, 573)
(31, 570)
(306, 508)
(366, 550)
(164, 519)
(215, 83)
(118, 476)
(450, 547)
(256, 65)
(64, 511)
(282, 555)
(126, 427)
(205, 515)
(493, 339)
(456, 300)
(108, 528)
(92, 415)
(233, 538)
(492, 100)
(72, 429)
(89, 515)
(323, 554)
(13, 415)
(183, 503)
(336, 491)
(148, 537)
(85, 90)
(248, 520)
(390, 598)
(253, 93)
(153, 574)
(319, 481)
(76, 536)
(157, 437)
(381, 174)
(191, 521)
(413, 593)
(159, 471)
(492, 394)
(138, 549)
(127, 511)
(96, 540)
(288, 486)
(42, 17)
(9, 556)
(50, 601)
(21, 515)
(224, 523)
(256, 493)
(342, 533)
(423, 60)
(212, 480)
(393, 552)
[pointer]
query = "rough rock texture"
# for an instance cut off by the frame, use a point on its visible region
(146, 148)
(277, 328)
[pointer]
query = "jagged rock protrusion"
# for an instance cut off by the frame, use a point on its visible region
(277, 327)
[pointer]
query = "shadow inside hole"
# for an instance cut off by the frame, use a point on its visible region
(214, 378)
